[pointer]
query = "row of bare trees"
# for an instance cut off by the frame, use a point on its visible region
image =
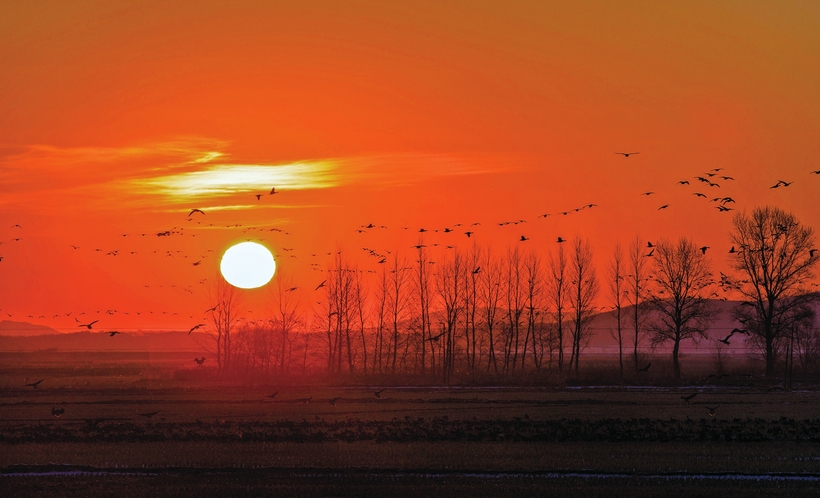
(478, 312)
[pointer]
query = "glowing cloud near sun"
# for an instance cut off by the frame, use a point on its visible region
(247, 265)
(224, 179)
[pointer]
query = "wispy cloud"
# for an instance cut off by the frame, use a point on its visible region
(192, 168)
(226, 179)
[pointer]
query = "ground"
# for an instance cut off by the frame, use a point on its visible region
(216, 438)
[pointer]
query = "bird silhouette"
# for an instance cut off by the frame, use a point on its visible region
(272, 396)
(811, 252)
(195, 211)
(477, 269)
(258, 196)
(57, 412)
(333, 401)
(88, 325)
(560, 240)
(703, 249)
(732, 250)
(149, 415)
(646, 368)
(378, 394)
(113, 333)
(523, 239)
(273, 191)
(683, 182)
(698, 194)
(650, 253)
(468, 234)
(817, 172)
(648, 193)
(436, 338)
(35, 384)
(711, 410)
(200, 361)
(198, 325)
(627, 154)
(663, 207)
(320, 285)
(687, 399)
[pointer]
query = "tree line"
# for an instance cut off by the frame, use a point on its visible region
(478, 311)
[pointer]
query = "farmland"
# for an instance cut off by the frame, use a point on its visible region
(133, 421)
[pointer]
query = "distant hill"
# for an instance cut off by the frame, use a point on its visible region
(101, 341)
(12, 328)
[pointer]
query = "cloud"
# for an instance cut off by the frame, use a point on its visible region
(227, 179)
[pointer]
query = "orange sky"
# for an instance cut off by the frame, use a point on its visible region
(118, 118)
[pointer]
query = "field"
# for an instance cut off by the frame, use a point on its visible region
(338, 438)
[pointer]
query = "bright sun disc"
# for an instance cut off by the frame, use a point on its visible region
(247, 265)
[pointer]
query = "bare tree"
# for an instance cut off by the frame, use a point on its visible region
(636, 292)
(558, 297)
(582, 297)
(449, 285)
(616, 289)
(225, 302)
(397, 303)
(490, 288)
(776, 257)
(681, 309)
(533, 296)
(515, 307)
(472, 268)
(286, 315)
(422, 289)
(360, 310)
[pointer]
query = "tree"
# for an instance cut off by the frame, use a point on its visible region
(286, 316)
(775, 256)
(616, 288)
(584, 290)
(558, 297)
(490, 289)
(225, 302)
(636, 283)
(681, 309)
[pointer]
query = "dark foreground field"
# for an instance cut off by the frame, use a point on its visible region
(208, 439)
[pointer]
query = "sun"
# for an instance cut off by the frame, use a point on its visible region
(247, 265)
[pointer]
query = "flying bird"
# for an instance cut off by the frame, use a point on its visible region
(711, 410)
(195, 211)
(663, 207)
(627, 154)
(468, 233)
(648, 193)
(815, 172)
(333, 401)
(273, 191)
(560, 240)
(683, 182)
(272, 396)
(698, 194)
(113, 333)
(198, 325)
(477, 269)
(199, 361)
(523, 239)
(703, 249)
(88, 325)
(320, 285)
(811, 252)
(258, 196)
(35, 384)
(378, 394)
(646, 368)
(57, 411)
(149, 415)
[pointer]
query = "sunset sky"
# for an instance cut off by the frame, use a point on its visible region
(119, 118)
